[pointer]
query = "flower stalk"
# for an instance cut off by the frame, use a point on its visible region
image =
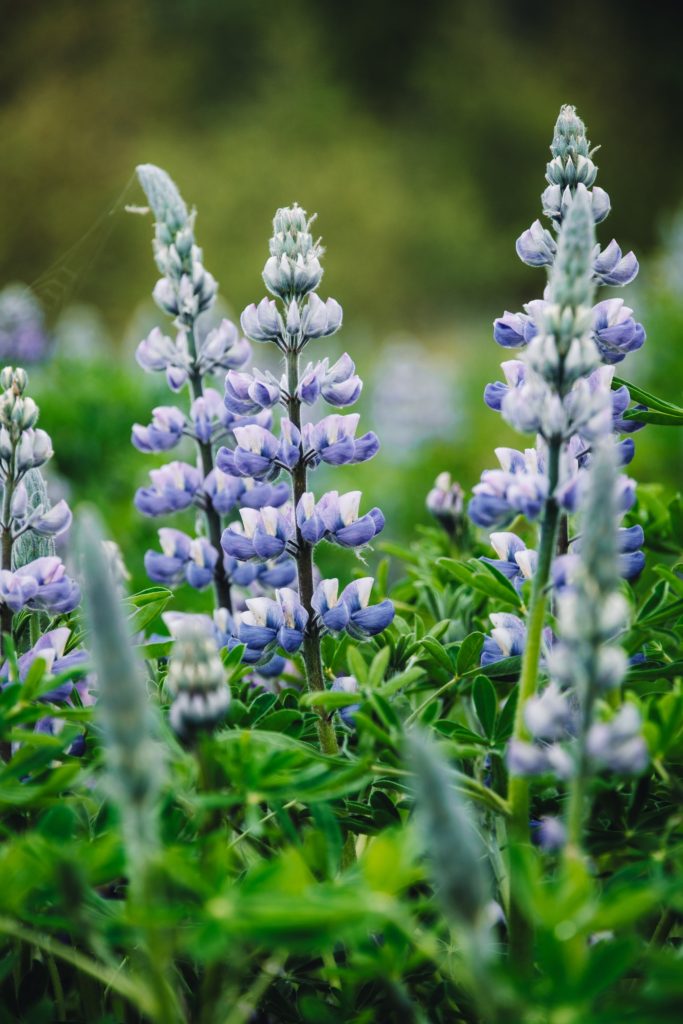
(304, 565)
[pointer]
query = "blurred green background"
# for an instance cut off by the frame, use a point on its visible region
(419, 132)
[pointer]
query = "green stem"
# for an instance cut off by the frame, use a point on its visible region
(213, 520)
(304, 564)
(57, 986)
(8, 491)
(518, 789)
(132, 990)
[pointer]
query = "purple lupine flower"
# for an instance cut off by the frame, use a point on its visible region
(615, 331)
(53, 522)
(507, 638)
(365, 620)
(550, 715)
(163, 433)
(262, 322)
(320, 319)
(259, 624)
(56, 592)
(174, 487)
(610, 267)
(556, 201)
(290, 443)
(535, 759)
(208, 415)
(270, 528)
(509, 330)
(536, 246)
(15, 590)
(618, 745)
(159, 353)
(308, 390)
(263, 533)
(223, 349)
(333, 440)
(294, 618)
(446, 502)
(276, 573)
(168, 566)
(332, 612)
(247, 393)
(569, 495)
(549, 833)
(181, 559)
(515, 560)
(340, 384)
(631, 559)
(256, 494)
(515, 374)
(223, 491)
(520, 486)
(256, 453)
(336, 518)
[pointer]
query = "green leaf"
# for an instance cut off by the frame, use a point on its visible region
(438, 652)
(485, 703)
(379, 666)
(401, 681)
(506, 718)
(639, 394)
(482, 577)
(470, 650)
(328, 699)
(357, 665)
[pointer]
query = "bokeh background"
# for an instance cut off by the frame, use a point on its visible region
(419, 132)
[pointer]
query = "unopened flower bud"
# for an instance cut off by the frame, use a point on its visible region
(196, 679)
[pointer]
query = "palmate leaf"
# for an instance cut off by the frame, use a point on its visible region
(482, 577)
(274, 765)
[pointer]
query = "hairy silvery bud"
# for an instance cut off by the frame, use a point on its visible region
(571, 277)
(117, 566)
(29, 414)
(449, 836)
(7, 402)
(196, 679)
(571, 162)
(20, 380)
(133, 758)
(6, 378)
(163, 196)
(445, 501)
(5, 445)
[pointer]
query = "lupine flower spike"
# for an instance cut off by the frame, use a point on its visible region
(560, 390)
(186, 292)
(297, 316)
(38, 584)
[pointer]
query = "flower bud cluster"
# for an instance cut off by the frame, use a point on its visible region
(196, 679)
(42, 583)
